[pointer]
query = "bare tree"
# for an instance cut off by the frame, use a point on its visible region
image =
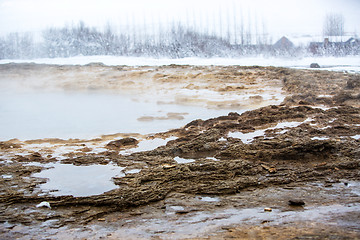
(334, 25)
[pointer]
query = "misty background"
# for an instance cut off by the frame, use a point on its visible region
(177, 29)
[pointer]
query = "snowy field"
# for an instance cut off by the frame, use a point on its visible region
(349, 64)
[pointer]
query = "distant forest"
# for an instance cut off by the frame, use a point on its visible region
(176, 42)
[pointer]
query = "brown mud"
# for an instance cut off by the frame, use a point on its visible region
(316, 161)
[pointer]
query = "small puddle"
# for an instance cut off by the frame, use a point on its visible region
(177, 208)
(212, 158)
(147, 145)
(180, 160)
(209, 199)
(352, 186)
(133, 171)
(249, 137)
(79, 181)
(6, 176)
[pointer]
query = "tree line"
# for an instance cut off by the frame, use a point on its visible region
(176, 41)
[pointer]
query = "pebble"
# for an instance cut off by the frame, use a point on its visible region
(182, 212)
(296, 202)
(314, 65)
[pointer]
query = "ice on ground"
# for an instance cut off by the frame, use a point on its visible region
(79, 181)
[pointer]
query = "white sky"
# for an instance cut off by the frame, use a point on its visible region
(281, 17)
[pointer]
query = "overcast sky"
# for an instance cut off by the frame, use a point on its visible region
(281, 17)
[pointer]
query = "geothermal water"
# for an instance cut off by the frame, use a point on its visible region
(61, 114)
(83, 115)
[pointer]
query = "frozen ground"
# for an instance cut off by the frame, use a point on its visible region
(350, 63)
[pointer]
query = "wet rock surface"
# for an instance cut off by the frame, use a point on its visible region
(124, 142)
(306, 149)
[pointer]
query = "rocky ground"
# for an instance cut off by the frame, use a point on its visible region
(238, 174)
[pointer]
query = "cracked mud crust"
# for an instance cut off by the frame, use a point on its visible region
(309, 143)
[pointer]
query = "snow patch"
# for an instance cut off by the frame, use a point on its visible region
(320, 138)
(356, 137)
